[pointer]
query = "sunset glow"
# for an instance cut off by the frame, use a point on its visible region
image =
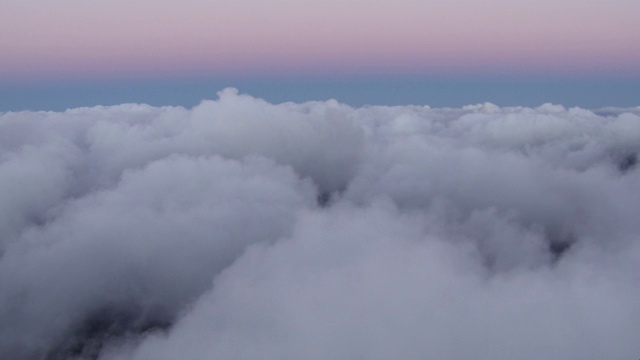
(102, 39)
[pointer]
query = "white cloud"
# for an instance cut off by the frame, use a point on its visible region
(241, 229)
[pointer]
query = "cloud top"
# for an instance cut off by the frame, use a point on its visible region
(242, 229)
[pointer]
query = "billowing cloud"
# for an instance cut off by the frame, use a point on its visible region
(241, 229)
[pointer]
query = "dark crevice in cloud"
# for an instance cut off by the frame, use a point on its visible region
(628, 162)
(106, 327)
(559, 241)
(323, 198)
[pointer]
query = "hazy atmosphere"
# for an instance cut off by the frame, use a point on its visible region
(319, 180)
(70, 53)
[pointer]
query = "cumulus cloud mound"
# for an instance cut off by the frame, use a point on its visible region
(241, 229)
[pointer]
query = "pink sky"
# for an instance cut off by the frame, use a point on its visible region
(105, 38)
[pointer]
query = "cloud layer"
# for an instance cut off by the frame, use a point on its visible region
(241, 229)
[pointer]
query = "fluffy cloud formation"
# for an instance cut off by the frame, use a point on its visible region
(240, 229)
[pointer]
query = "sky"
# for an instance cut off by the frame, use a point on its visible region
(95, 42)
(226, 179)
